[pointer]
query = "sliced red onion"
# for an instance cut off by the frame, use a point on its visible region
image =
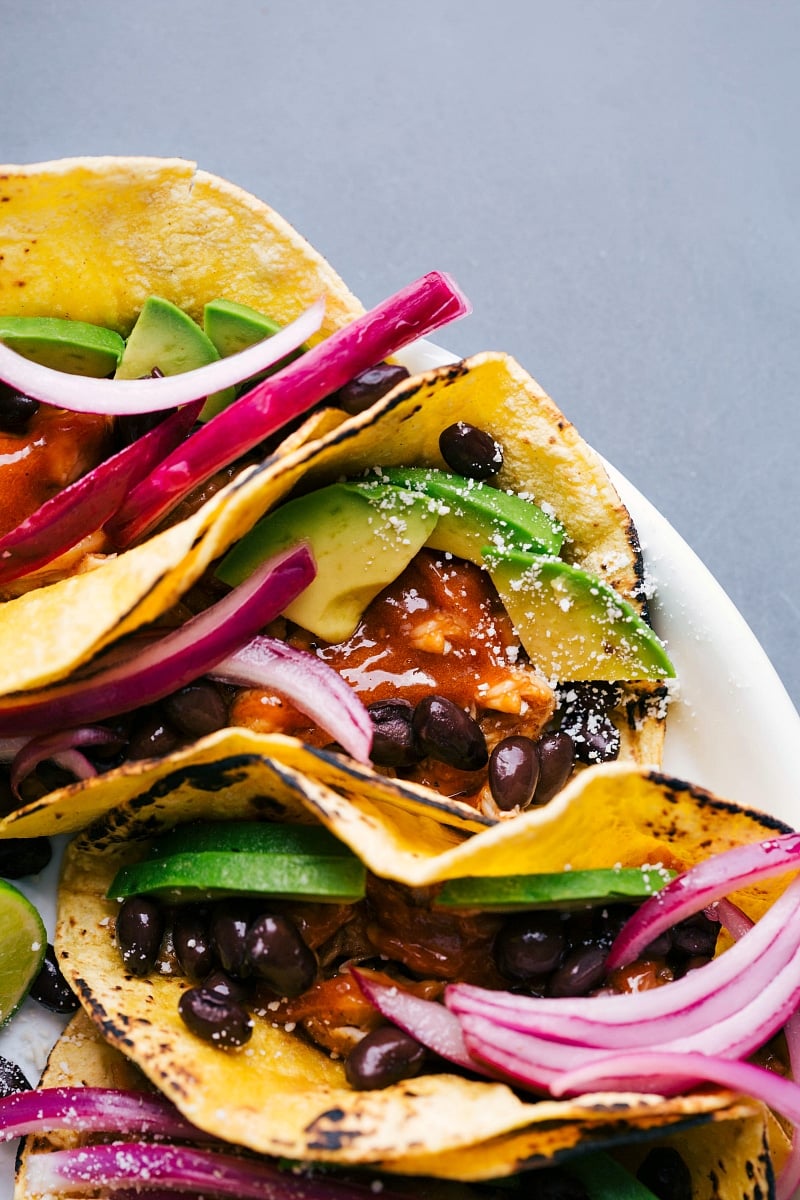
(426, 1020)
(173, 661)
(412, 313)
(129, 397)
(88, 1109)
(710, 880)
(702, 997)
(309, 683)
(182, 1169)
(62, 747)
(84, 506)
(670, 1073)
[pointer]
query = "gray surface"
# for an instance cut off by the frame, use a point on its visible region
(615, 185)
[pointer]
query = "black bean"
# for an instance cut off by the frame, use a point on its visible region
(24, 856)
(393, 742)
(383, 1057)
(513, 772)
(362, 392)
(50, 988)
(585, 708)
(447, 733)
(140, 926)
(219, 982)
(12, 1078)
(16, 411)
(229, 923)
(152, 737)
(529, 946)
(696, 936)
(607, 923)
(556, 760)
(191, 938)
(214, 1017)
(665, 1173)
(581, 971)
(278, 955)
(196, 710)
(596, 739)
(470, 451)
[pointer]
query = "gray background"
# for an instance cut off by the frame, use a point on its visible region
(614, 184)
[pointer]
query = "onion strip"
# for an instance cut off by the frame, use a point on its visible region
(202, 1172)
(88, 1109)
(309, 683)
(173, 660)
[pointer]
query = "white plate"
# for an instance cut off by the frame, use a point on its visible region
(732, 727)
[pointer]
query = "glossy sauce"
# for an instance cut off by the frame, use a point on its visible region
(57, 448)
(438, 628)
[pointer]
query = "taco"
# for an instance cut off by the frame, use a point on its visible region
(140, 221)
(285, 1091)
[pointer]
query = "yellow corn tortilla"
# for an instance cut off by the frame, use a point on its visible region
(90, 239)
(281, 1095)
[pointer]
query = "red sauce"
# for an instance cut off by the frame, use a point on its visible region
(440, 627)
(57, 449)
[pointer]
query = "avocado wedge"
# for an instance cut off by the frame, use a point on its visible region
(573, 626)
(361, 541)
(562, 889)
(248, 858)
(70, 346)
(473, 515)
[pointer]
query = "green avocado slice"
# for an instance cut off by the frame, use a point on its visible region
(166, 338)
(473, 515)
(361, 541)
(209, 859)
(574, 627)
(73, 347)
(559, 889)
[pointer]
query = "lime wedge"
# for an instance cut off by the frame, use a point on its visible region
(23, 941)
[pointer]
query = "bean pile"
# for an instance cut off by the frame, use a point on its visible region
(232, 951)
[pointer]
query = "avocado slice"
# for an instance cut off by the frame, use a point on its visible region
(361, 541)
(165, 337)
(204, 860)
(213, 874)
(73, 347)
(558, 889)
(473, 515)
(573, 626)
